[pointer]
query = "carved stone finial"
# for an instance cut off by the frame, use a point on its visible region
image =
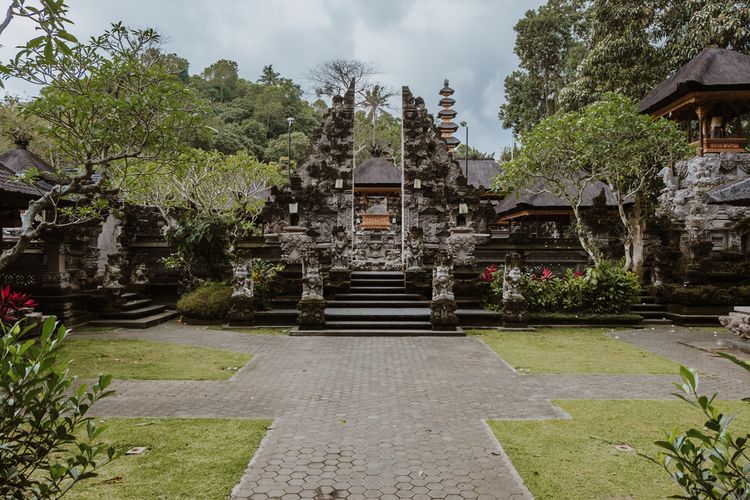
(446, 126)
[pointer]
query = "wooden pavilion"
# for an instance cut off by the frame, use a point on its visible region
(710, 97)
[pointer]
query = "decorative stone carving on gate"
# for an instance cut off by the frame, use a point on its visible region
(295, 245)
(340, 254)
(414, 250)
(461, 244)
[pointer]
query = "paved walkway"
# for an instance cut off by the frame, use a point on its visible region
(389, 417)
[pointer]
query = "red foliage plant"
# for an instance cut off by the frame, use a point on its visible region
(489, 273)
(546, 275)
(13, 305)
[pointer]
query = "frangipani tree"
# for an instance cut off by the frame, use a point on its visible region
(607, 141)
(628, 150)
(553, 159)
(109, 109)
(210, 201)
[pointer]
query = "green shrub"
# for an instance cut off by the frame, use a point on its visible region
(208, 301)
(707, 462)
(605, 288)
(580, 318)
(705, 295)
(42, 419)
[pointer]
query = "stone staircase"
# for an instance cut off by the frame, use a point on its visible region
(653, 312)
(136, 312)
(377, 304)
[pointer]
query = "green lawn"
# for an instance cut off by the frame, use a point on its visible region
(574, 459)
(148, 360)
(573, 350)
(186, 458)
(257, 331)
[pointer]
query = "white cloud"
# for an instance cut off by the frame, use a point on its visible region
(416, 43)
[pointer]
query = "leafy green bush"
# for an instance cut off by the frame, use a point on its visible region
(208, 301)
(705, 295)
(606, 288)
(41, 417)
(708, 462)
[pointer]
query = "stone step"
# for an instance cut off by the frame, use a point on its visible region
(277, 317)
(379, 325)
(140, 312)
(136, 304)
(479, 317)
(129, 296)
(694, 319)
(143, 322)
(378, 303)
(653, 314)
(648, 307)
(661, 321)
(378, 296)
(378, 333)
(376, 283)
(378, 289)
(647, 299)
(392, 275)
(375, 314)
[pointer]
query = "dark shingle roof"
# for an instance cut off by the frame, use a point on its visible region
(736, 193)
(482, 172)
(377, 171)
(712, 69)
(20, 160)
(8, 184)
(532, 198)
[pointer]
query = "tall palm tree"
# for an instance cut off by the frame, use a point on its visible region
(375, 102)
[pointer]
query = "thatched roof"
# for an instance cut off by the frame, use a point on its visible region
(8, 184)
(20, 159)
(712, 69)
(534, 197)
(736, 193)
(482, 172)
(377, 171)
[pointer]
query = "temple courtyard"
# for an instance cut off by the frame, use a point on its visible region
(399, 417)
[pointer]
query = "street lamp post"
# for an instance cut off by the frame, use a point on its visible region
(289, 122)
(466, 148)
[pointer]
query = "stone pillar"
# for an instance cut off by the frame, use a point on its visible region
(443, 304)
(241, 310)
(311, 307)
(514, 303)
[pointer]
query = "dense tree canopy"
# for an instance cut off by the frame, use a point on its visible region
(572, 52)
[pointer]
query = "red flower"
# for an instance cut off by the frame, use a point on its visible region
(547, 274)
(578, 274)
(14, 304)
(489, 272)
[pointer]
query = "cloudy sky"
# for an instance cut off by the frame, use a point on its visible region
(413, 42)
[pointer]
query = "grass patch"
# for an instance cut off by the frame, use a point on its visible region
(94, 329)
(563, 318)
(186, 458)
(148, 360)
(573, 350)
(256, 331)
(573, 459)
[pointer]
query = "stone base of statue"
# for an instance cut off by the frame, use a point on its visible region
(737, 323)
(311, 313)
(241, 311)
(339, 280)
(443, 314)
(514, 313)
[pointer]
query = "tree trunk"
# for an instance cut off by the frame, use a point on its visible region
(637, 230)
(585, 237)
